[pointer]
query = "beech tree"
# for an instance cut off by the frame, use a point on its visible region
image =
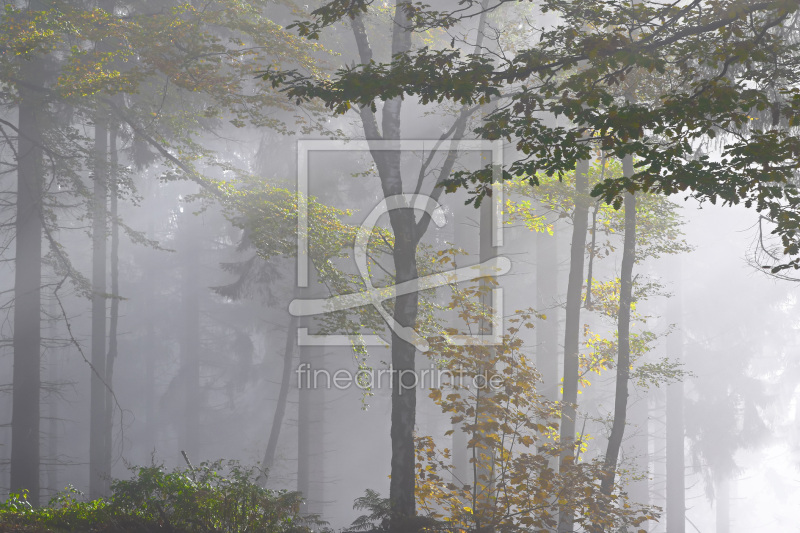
(160, 80)
(712, 62)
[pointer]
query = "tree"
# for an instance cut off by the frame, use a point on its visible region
(573, 71)
(28, 279)
(407, 231)
(108, 70)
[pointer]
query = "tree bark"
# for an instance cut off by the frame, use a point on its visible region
(54, 371)
(27, 292)
(98, 475)
(283, 397)
(114, 316)
(484, 460)
(150, 344)
(465, 239)
(189, 440)
(623, 339)
(404, 400)
(310, 431)
(572, 333)
(303, 432)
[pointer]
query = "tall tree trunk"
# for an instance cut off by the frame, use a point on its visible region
(27, 293)
(100, 432)
(283, 398)
(189, 440)
(404, 399)
(546, 296)
(304, 431)
(316, 447)
(310, 432)
(150, 344)
(407, 235)
(572, 333)
(114, 316)
(623, 339)
(483, 459)
(676, 469)
(98, 475)
(465, 239)
(53, 399)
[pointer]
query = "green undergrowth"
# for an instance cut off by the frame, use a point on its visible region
(212, 497)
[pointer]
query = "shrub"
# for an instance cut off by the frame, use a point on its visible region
(211, 498)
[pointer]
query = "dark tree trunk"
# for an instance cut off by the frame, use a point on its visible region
(150, 343)
(310, 432)
(676, 468)
(623, 338)
(464, 217)
(404, 399)
(572, 333)
(27, 292)
(53, 400)
(304, 431)
(114, 316)
(98, 475)
(283, 397)
(483, 481)
(189, 440)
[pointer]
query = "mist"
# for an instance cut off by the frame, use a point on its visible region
(376, 266)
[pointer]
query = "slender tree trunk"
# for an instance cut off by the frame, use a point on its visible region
(623, 338)
(114, 317)
(676, 469)
(27, 292)
(484, 458)
(572, 333)
(150, 345)
(546, 296)
(465, 239)
(316, 445)
(54, 371)
(304, 430)
(404, 399)
(190, 340)
(283, 397)
(98, 475)
(404, 228)
(100, 432)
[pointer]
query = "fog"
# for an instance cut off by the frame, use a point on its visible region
(222, 270)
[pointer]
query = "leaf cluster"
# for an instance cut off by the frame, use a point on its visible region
(213, 497)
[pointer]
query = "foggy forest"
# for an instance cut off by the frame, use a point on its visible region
(466, 266)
